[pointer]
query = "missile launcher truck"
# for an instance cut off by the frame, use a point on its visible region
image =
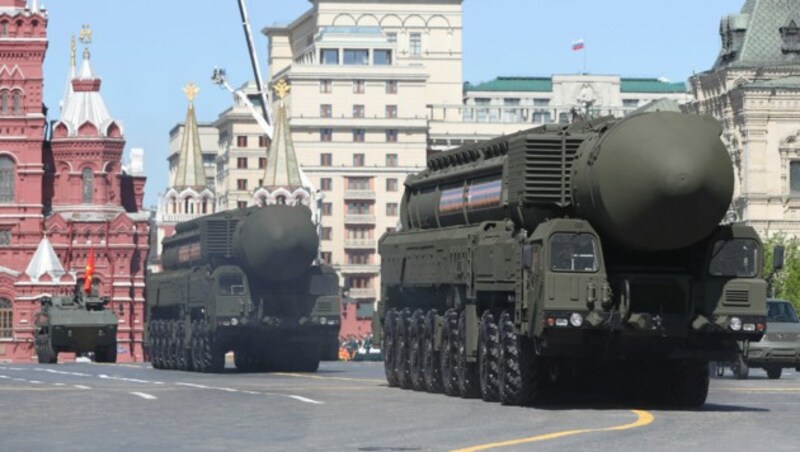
(78, 323)
(529, 259)
(243, 280)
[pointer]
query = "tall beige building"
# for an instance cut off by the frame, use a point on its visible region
(754, 90)
(362, 73)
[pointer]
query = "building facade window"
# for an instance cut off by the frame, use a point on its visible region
(325, 135)
(359, 208)
(262, 141)
(391, 87)
(262, 162)
(87, 186)
(241, 184)
(329, 56)
(391, 37)
(794, 177)
(391, 135)
(326, 111)
(4, 103)
(382, 57)
(391, 111)
(241, 204)
(391, 160)
(326, 184)
(630, 103)
(327, 233)
(5, 237)
(358, 159)
(415, 44)
(241, 141)
(325, 159)
(358, 135)
(241, 163)
(391, 184)
(358, 86)
(327, 209)
(7, 176)
(325, 86)
(356, 57)
(6, 319)
(17, 102)
(358, 111)
(391, 209)
(359, 232)
(359, 183)
(326, 257)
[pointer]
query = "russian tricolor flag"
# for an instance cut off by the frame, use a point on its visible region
(577, 45)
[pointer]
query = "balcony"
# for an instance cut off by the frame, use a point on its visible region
(360, 194)
(359, 244)
(359, 219)
(368, 292)
(360, 268)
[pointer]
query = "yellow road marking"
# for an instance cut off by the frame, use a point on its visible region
(317, 377)
(642, 418)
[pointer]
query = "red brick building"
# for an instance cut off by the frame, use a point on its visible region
(65, 194)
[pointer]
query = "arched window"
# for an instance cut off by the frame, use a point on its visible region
(17, 102)
(281, 200)
(205, 206)
(6, 319)
(6, 179)
(186, 205)
(4, 102)
(4, 29)
(87, 177)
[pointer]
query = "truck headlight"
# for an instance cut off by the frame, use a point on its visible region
(323, 321)
(576, 319)
(736, 324)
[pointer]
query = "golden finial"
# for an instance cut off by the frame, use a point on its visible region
(72, 48)
(281, 88)
(86, 34)
(191, 91)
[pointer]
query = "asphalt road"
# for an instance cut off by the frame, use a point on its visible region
(347, 406)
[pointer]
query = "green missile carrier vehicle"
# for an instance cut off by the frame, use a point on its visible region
(243, 281)
(529, 260)
(78, 323)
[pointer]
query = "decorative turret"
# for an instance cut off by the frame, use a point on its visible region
(283, 179)
(44, 262)
(190, 172)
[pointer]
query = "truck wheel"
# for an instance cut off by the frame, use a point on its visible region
(106, 354)
(488, 358)
(242, 360)
(522, 381)
(687, 384)
(390, 347)
(152, 347)
(403, 348)
(194, 346)
(774, 373)
(448, 353)
(415, 351)
(740, 368)
(469, 386)
(430, 357)
(182, 360)
(213, 356)
(161, 348)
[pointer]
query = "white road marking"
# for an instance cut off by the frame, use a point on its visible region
(5, 377)
(18, 379)
(81, 387)
(131, 380)
(226, 389)
(192, 385)
(302, 399)
(61, 372)
(290, 396)
(251, 392)
(144, 395)
(58, 384)
(36, 382)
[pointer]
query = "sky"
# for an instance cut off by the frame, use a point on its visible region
(147, 50)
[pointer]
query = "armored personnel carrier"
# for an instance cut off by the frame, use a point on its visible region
(78, 323)
(530, 259)
(243, 280)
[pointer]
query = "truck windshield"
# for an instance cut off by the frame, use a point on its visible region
(325, 284)
(781, 311)
(734, 258)
(573, 253)
(231, 284)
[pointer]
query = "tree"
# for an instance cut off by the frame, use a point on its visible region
(786, 282)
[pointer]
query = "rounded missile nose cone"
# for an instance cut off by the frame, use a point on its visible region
(660, 181)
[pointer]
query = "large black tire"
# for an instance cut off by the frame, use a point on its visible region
(390, 347)
(44, 350)
(740, 368)
(183, 358)
(305, 358)
(469, 385)
(774, 372)
(685, 384)
(403, 349)
(243, 360)
(212, 355)
(523, 377)
(196, 347)
(171, 353)
(431, 369)
(448, 353)
(330, 350)
(416, 337)
(152, 344)
(106, 354)
(489, 358)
